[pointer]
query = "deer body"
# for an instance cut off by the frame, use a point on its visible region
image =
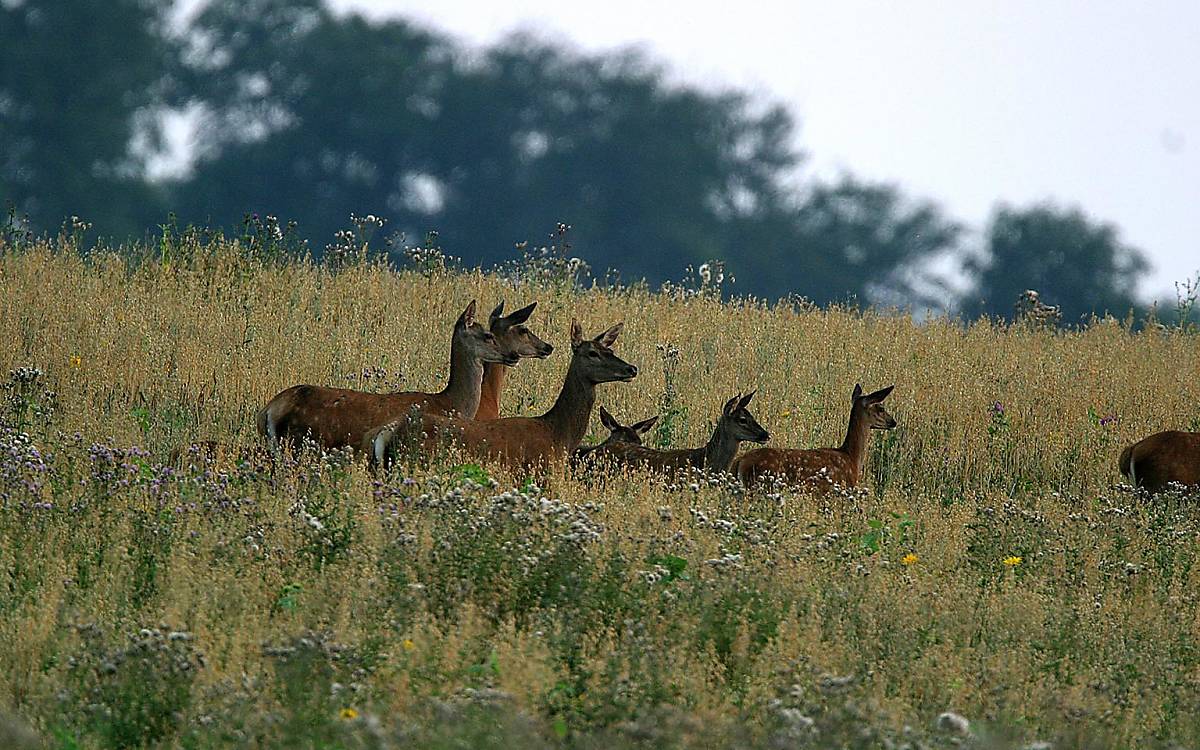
(1162, 458)
(521, 441)
(514, 337)
(339, 417)
(819, 470)
(735, 425)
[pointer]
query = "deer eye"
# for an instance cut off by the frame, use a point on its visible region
(594, 354)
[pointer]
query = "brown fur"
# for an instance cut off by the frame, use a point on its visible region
(524, 442)
(735, 425)
(819, 470)
(1155, 462)
(339, 417)
(514, 337)
(617, 433)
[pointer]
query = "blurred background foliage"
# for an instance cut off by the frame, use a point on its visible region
(309, 115)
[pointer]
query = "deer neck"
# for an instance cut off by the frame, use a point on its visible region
(568, 418)
(718, 452)
(489, 393)
(463, 387)
(855, 444)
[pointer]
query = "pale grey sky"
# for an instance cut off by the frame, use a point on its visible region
(972, 102)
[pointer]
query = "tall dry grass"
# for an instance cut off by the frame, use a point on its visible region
(314, 604)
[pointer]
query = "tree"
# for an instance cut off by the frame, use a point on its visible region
(312, 116)
(855, 241)
(80, 82)
(1072, 261)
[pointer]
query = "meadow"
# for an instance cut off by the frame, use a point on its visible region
(992, 566)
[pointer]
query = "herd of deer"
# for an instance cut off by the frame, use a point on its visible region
(467, 412)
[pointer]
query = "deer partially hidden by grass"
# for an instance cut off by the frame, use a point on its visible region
(339, 417)
(735, 425)
(1155, 462)
(819, 470)
(617, 433)
(515, 337)
(519, 442)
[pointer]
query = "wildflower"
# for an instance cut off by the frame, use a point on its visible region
(909, 559)
(407, 644)
(785, 413)
(1012, 561)
(998, 409)
(348, 714)
(76, 361)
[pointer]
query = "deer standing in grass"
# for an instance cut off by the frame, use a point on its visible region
(522, 442)
(617, 433)
(338, 417)
(735, 425)
(514, 337)
(1155, 462)
(820, 469)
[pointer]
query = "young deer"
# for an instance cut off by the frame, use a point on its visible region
(1154, 462)
(337, 417)
(514, 337)
(735, 425)
(617, 433)
(821, 469)
(521, 441)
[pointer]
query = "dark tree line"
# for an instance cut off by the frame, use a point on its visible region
(312, 116)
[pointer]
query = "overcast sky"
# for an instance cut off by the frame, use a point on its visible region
(972, 102)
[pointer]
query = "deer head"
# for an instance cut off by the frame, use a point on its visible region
(595, 356)
(618, 433)
(871, 407)
(478, 341)
(514, 336)
(741, 422)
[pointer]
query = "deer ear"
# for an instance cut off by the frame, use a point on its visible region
(879, 395)
(607, 420)
(644, 426)
(857, 391)
(730, 405)
(576, 333)
(608, 337)
(520, 316)
(467, 317)
(746, 399)
(496, 314)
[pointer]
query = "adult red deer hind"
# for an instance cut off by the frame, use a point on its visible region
(515, 337)
(819, 470)
(522, 442)
(735, 425)
(338, 417)
(1155, 462)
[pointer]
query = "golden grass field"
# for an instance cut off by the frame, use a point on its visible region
(313, 605)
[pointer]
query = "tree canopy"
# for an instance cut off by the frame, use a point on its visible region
(311, 115)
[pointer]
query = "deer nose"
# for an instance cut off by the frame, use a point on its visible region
(548, 349)
(632, 371)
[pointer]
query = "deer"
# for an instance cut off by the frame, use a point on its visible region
(518, 442)
(1155, 462)
(819, 470)
(339, 417)
(617, 433)
(514, 336)
(735, 424)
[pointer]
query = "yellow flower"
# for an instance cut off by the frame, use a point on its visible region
(1012, 561)
(76, 361)
(909, 559)
(408, 644)
(348, 714)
